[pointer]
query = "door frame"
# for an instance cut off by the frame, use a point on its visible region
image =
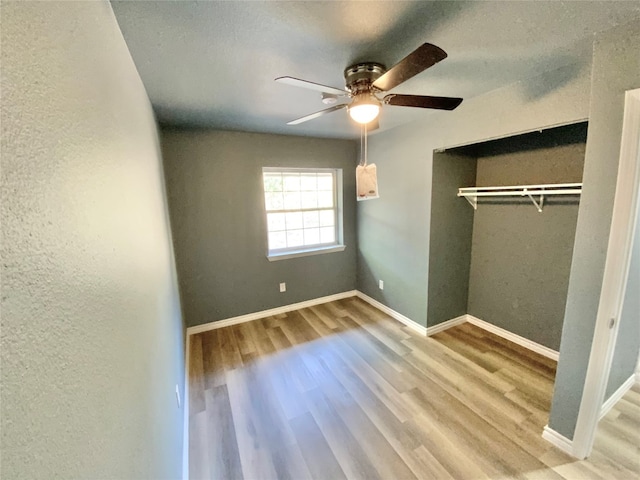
(616, 272)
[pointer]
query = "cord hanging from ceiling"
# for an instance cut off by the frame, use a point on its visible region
(363, 144)
(366, 175)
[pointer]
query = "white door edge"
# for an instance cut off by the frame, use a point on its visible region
(614, 280)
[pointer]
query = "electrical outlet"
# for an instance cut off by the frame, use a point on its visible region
(283, 287)
(178, 395)
(380, 284)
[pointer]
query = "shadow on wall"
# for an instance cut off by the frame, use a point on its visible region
(549, 81)
(505, 201)
(543, 139)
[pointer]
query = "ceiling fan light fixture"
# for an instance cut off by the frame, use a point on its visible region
(364, 81)
(364, 108)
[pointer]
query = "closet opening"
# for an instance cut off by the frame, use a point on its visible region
(502, 261)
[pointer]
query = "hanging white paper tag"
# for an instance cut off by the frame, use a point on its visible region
(366, 182)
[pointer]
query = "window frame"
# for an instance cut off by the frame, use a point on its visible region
(307, 250)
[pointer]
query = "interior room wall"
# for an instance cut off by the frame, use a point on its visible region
(520, 258)
(216, 200)
(92, 335)
(625, 356)
(394, 231)
(451, 232)
(616, 69)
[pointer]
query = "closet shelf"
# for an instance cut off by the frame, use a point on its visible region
(541, 191)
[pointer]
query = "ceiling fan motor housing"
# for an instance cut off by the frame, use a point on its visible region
(360, 77)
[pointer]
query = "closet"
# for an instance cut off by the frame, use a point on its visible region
(503, 223)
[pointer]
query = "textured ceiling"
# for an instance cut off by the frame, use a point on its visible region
(212, 64)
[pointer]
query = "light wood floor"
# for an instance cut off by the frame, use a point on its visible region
(341, 390)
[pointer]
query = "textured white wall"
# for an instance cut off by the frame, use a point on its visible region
(92, 333)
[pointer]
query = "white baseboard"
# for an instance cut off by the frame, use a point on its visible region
(558, 440)
(428, 331)
(512, 337)
(501, 332)
(393, 314)
(445, 325)
(267, 313)
(617, 395)
(309, 303)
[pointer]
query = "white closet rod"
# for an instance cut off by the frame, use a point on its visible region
(520, 187)
(522, 192)
(472, 193)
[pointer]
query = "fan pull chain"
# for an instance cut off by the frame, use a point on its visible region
(363, 144)
(366, 145)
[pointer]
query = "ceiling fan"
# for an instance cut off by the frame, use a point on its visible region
(366, 81)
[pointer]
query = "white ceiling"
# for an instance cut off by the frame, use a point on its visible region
(212, 64)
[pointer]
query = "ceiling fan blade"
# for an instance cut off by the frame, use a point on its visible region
(422, 101)
(296, 82)
(306, 118)
(425, 56)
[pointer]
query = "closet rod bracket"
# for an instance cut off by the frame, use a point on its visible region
(539, 204)
(473, 201)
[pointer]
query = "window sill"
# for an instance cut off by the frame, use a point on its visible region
(274, 257)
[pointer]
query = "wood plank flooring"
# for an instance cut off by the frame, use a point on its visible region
(341, 390)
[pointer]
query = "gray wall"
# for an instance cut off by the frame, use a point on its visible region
(625, 357)
(394, 231)
(450, 236)
(520, 259)
(616, 68)
(214, 183)
(92, 336)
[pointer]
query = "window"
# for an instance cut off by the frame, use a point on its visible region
(303, 208)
